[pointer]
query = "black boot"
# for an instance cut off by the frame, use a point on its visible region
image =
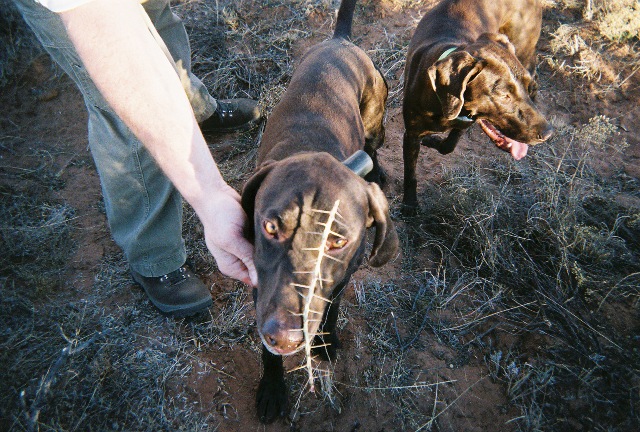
(230, 115)
(177, 294)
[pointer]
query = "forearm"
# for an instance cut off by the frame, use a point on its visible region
(141, 86)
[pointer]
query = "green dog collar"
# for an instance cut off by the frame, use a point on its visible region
(445, 54)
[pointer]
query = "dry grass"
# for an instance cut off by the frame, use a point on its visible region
(19, 46)
(532, 267)
(544, 246)
(602, 47)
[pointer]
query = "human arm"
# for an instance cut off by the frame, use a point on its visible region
(141, 86)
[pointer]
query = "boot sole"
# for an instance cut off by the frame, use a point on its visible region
(240, 128)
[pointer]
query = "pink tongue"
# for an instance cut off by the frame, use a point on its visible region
(517, 149)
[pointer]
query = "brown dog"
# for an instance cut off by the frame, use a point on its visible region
(468, 61)
(333, 107)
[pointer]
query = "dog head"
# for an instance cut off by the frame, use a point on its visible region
(486, 82)
(288, 203)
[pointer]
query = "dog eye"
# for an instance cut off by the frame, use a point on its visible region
(270, 228)
(337, 244)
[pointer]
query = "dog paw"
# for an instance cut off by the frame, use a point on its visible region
(272, 399)
(432, 141)
(443, 146)
(410, 209)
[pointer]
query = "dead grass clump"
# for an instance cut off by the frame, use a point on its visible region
(77, 365)
(237, 53)
(617, 20)
(400, 314)
(574, 54)
(18, 45)
(583, 47)
(547, 250)
(35, 237)
(231, 323)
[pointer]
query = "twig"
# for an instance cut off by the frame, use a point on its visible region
(430, 422)
(488, 316)
(32, 411)
(413, 386)
(581, 320)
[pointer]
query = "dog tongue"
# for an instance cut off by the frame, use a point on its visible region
(517, 149)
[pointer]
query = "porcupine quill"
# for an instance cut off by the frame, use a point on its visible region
(310, 294)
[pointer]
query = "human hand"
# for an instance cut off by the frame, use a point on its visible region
(223, 232)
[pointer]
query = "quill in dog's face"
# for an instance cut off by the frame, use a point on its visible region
(289, 201)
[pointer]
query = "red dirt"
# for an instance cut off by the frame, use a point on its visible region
(224, 380)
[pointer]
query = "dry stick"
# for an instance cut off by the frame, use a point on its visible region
(32, 412)
(419, 385)
(316, 279)
(488, 316)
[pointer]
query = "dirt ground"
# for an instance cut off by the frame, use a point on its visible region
(50, 115)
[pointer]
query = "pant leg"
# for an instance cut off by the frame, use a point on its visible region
(171, 30)
(144, 210)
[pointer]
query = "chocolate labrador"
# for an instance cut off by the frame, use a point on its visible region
(472, 61)
(333, 108)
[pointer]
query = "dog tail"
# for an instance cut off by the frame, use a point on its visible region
(345, 17)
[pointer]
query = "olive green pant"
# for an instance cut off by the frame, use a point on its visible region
(143, 208)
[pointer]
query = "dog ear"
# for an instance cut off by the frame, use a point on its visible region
(386, 241)
(249, 192)
(449, 78)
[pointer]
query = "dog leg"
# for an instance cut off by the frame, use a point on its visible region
(273, 394)
(410, 152)
(444, 146)
(377, 174)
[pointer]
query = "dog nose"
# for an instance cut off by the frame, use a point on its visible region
(283, 336)
(546, 133)
(271, 340)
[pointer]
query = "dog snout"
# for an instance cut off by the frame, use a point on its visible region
(546, 133)
(283, 336)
